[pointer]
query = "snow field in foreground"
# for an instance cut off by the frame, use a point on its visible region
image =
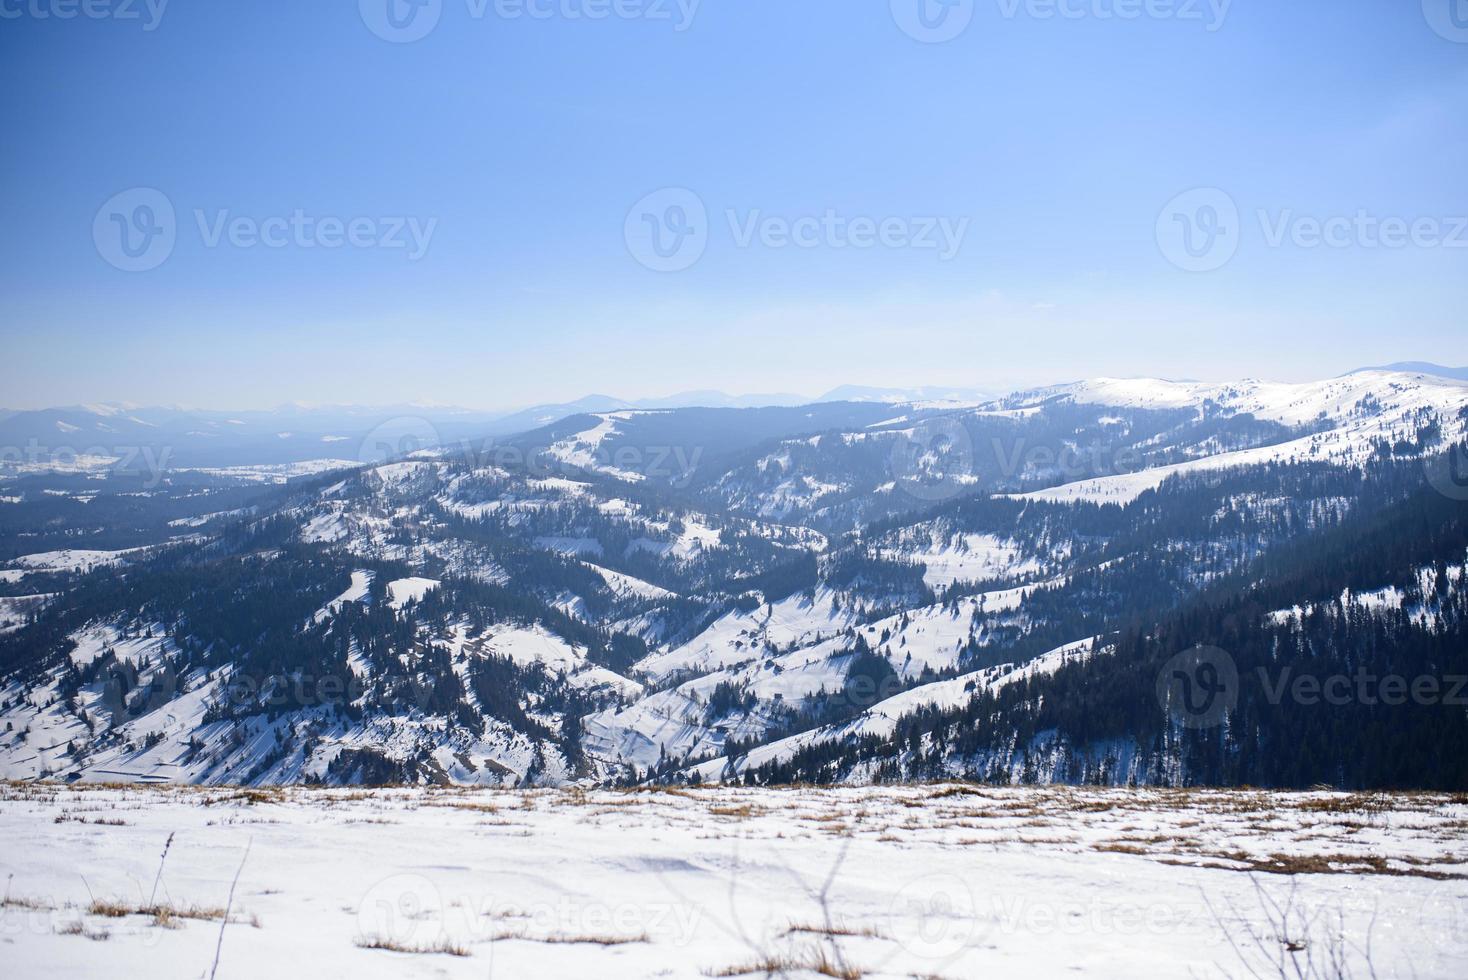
(948, 881)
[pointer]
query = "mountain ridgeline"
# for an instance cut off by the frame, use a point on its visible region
(1120, 582)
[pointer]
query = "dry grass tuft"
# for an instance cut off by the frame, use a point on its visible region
(67, 817)
(834, 931)
(444, 946)
(816, 962)
(162, 915)
(743, 810)
(80, 929)
(573, 939)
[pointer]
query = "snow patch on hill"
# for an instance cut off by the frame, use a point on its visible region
(1356, 412)
(583, 449)
(1282, 402)
(404, 590)
(881, 719)
(356, 592)
(949, 558)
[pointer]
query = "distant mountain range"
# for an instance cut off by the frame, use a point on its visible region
(298, 432)
(89, 435)
(1106, 581)
(1422, 367)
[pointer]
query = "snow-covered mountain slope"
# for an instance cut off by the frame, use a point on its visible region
(635, 595)
(1392, 394)
(584, 449)
(121, 711)
(757, 673)
(880, 721)
(1349, 419)
(956, 556)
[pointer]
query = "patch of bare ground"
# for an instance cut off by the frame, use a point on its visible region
(79, 928)
(445, 947)
(1315, 864)
(163, 914)
(813, 961)
(249, 797)
(837, 930)
(570, 939)
(472, 806)
(741, 810)
(1353, 864)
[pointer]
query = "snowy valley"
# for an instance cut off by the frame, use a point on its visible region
(841, 592)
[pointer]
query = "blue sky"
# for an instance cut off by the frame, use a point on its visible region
(1057, 144)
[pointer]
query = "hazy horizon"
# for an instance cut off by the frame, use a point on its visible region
(752, 397)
